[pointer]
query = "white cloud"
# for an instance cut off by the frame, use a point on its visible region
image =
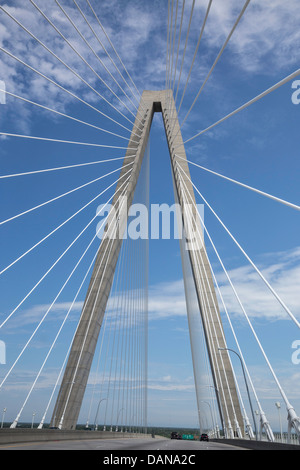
(166, 300)
(171, 383)
(281, 270)
(266, 39)
(20, 80)
(34, 314)
(267, 34)
(178, 387)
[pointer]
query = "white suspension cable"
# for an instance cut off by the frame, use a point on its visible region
(54, 55)
(217, 58)
(248, 425)
(7, 134)
(124, 312)
(177, 54)
(104, 31)
(126, 368)
(262, 414)
(66, 115)
(60, 196)
(98, 58)
(206, 302)
(14, 424)
(57, 260)
(196, 51)
(67, 354)
(40, 426)
(124, 344)
(113, 358)
(193, 61)
(119, 308)
(178, 44)
(106, 52)
(69, 349)
(61, 87)
(53, 343)
(90, 319)
(293, 206)
(184, 51)
(258, 97)
(245, 254)
(57, 228)
(40, 323)
(101, 44)
(82, 58)
(46, 314)
(230, 323)
(173, 44)
(100, 359)
(167, 52)
(104, 334)
(293, 419)
(115, 309)
(125, 306)
(64, 167)
(170, 30)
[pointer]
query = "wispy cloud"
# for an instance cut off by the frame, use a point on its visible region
(175, 385)
(281, 270)
(267, 36)
(129, 37)
(167, 299)
(267, 39)
(56, 313)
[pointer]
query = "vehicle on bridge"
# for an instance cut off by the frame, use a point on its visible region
(175, 435)
(204, 437)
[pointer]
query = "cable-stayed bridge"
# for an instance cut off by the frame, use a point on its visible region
(77, 239)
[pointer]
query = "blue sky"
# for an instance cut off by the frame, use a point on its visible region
(257, 146)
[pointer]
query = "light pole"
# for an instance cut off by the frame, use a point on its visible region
(218, 401)
(221, 415)
(117, 428)
(212, 419)
(3, 414)
(96, 417)
(227, 349)
(33, 415)
(277, 404)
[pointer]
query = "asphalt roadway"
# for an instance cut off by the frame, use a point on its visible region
(128, 446)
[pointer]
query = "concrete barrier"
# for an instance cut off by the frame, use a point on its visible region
(257, 445)
(13, 436)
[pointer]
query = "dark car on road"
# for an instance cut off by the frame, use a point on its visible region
(175, 435)
(204, 437)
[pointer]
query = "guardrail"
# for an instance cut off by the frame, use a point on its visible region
(257, 445)
(12, 436)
